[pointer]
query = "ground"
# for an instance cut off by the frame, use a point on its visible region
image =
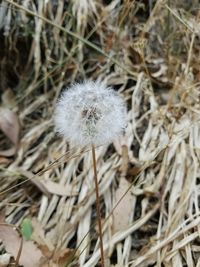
(148, 51)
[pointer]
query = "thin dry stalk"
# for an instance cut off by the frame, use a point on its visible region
(98, 205)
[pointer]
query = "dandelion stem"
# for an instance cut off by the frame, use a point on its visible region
(98, 205)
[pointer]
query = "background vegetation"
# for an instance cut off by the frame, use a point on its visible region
(149, 180)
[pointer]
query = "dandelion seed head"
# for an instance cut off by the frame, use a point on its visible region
(90, 113)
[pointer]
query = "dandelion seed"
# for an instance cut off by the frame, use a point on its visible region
(90, 113)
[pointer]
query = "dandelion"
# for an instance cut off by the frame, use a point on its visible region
(91, 114)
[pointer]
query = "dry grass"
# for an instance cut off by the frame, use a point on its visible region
(149, 179)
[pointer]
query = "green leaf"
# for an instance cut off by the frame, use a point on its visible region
(26, 228)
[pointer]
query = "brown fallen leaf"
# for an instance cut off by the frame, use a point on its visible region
(123, 213)
(30, 254)
(134, 171)
(4, 160)
(44, 243)
(60, 258)
(42, 255)
(9, 125)
(63, 257)
(8, 98)
(125, 160)
(49, 187)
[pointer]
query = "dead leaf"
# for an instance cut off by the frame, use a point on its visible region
(49, 187)
(134, 171)
(59, 258)
(35, 180)
(30, 255)
(9, 125)
(8, 152)
(44, 243)
(58, 189)
(63, 257)
(4, 160)
(123, 213)
(125, 160)
(8, 98)
(5, 259)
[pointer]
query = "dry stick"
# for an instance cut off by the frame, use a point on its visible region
(175, 14)
(98, 205)
(19, 253)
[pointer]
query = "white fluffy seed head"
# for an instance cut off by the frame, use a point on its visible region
(90, 113)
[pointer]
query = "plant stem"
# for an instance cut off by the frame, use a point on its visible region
(98, 205)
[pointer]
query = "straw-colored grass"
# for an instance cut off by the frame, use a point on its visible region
(149, 179)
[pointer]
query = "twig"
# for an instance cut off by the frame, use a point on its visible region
(98, 205)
